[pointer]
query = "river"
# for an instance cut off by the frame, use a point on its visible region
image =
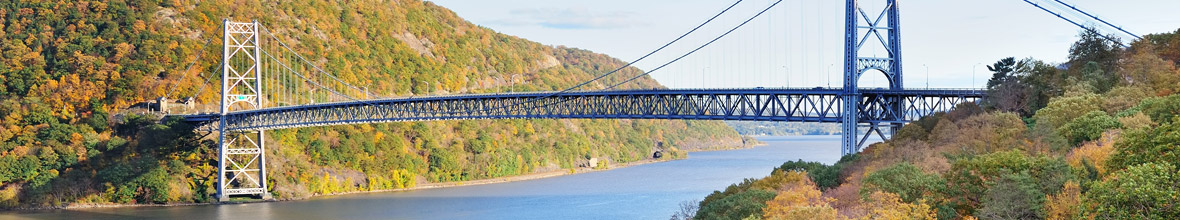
(649, 191)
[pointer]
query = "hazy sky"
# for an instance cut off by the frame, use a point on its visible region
(797, 42)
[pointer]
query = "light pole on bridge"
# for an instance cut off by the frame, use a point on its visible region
(788, 72)
(311, 96)
(927, 76)
(703, 70)
(830, 74)
(973, 67)
(427, 87)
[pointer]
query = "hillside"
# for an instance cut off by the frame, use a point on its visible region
(767, 128)
(70, 71)
(1095, 138)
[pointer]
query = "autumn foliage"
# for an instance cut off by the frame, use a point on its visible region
(76, 76)
(1094, 138)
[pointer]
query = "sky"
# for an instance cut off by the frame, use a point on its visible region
(799, 43)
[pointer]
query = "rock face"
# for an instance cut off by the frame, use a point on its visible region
(420, 45)
(548, 61)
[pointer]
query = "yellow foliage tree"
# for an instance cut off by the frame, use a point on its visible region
(1136, 121)
(1065, 204)
(884, 205)
(798, 198)
(1097, 153)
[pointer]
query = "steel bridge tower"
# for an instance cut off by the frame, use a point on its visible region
(856, 64)
(241, 166)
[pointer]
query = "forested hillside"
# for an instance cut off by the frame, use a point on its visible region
(1093, 138)
(767, 128)
(70, 69)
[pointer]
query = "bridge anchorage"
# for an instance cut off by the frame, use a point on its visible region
(264, 90)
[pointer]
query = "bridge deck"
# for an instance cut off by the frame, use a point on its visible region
(771, 104)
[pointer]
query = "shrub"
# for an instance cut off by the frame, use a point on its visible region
(1089, 127)
(1145, 191)
(1013, 196)
(905, 180)
(1141, 146)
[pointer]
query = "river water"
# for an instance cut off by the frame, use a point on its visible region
(649, 191)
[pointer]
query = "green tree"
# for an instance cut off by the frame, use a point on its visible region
(1160, 109)
(905, 180)
(1092, 46)
(1006, 91)
(1061, 110)
(1045, 81)
(735, 206)
(1142, 146)
(1096, 77)
(824, 176)
(1013, 196)
(1089, 126)
(1003, 71)
(969, 178)
(1145, 191)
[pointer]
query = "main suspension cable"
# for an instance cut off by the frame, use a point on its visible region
(190, 67)
(368, 102)
(1116, 42)
(698, 48)
(534, 99)
(1099, 19)
(317, 68)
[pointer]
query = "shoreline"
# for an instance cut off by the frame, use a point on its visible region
(507, 179)
(523, 177)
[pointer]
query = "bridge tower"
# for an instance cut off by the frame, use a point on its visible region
(241, 165)
(856, 64)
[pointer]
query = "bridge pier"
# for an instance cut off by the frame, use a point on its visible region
(242, 165)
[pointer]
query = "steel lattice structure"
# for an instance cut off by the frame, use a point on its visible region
(800, 105)
(856, 36)
(241, 167)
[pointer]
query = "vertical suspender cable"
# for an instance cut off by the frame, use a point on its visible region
(803, 44)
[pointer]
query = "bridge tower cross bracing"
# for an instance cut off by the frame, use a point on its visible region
(241, 165)
(856, 64)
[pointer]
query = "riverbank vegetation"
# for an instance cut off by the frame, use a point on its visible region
(1092, 138)
(75, 77)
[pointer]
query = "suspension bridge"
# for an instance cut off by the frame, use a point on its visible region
(265, 85)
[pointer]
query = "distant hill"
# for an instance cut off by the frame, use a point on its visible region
(69, 70)
(766, 128)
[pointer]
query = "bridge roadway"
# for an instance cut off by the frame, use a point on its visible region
(757, 104)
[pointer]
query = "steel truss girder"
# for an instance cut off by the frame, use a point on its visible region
(800, 105)
(244, 170)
